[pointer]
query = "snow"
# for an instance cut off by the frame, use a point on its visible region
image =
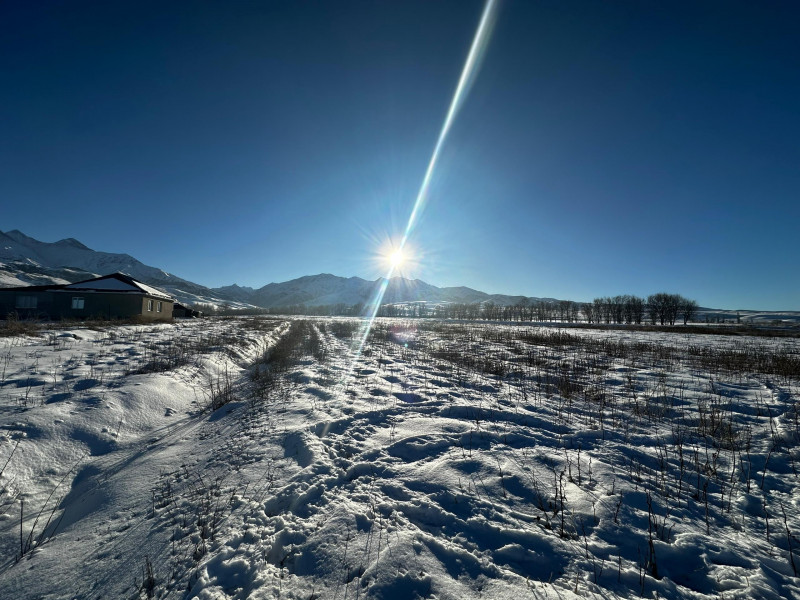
(70, 253)
(445, 460)
(151, 290)
(15, 279)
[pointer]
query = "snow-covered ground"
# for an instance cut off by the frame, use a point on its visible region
(437, 461)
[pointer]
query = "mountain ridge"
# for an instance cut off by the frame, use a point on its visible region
(27, 261)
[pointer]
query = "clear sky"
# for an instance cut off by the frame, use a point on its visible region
(604, 148)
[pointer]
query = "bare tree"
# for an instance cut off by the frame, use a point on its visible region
(588, 311)
(655, 308)
(637, 309)
(688, 309)
(665, 308)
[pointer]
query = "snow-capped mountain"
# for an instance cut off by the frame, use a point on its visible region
(325, 289)
(27, 261)
(69, 252)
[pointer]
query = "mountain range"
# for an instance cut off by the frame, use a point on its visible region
(27, 261)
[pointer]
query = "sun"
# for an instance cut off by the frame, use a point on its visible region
(397, 258)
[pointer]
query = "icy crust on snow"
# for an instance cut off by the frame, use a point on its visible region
(442, 462)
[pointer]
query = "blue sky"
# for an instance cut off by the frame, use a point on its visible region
(604, 148)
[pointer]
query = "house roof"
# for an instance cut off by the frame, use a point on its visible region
(30, 288)
(116, 282)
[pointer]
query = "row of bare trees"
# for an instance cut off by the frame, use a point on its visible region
(616, 309)
(665, 308)
(661, 308)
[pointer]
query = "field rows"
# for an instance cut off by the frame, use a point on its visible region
(310, 458)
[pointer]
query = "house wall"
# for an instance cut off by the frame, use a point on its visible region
(97, 305)
(155, 314)
(8, 303)
(58, 305)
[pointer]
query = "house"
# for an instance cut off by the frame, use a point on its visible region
(179, 311)
(115, 296)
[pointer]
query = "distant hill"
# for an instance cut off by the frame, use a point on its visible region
(27, 261)
(325, 289)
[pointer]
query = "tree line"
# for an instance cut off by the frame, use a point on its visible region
(661, 308)
(656, 309)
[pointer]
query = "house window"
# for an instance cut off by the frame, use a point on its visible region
(158, 307)
(26, 302)
(150, 305)
(77, 303)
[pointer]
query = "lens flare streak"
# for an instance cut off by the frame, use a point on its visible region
(468, 73)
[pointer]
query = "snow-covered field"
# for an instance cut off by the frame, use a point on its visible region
(260, 458)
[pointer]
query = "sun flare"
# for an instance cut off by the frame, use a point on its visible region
(392, 259)
(397, 258)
